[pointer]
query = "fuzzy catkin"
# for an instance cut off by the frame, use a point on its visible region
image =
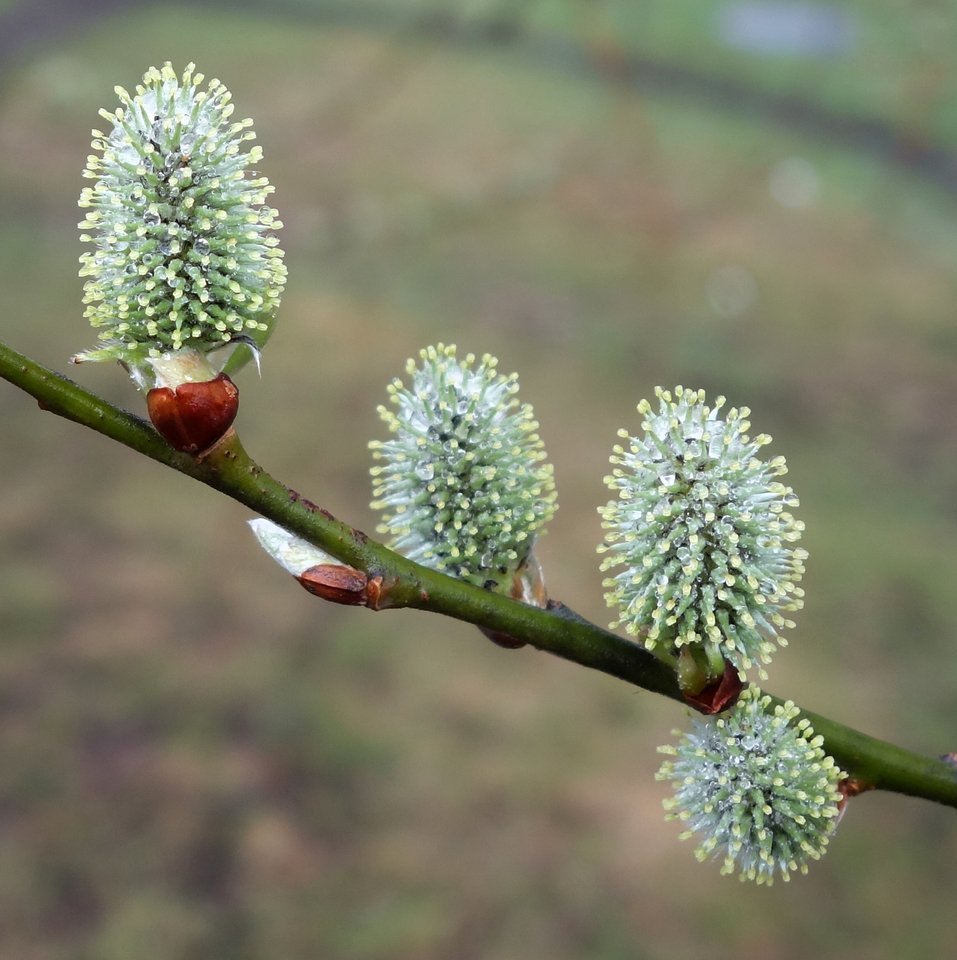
(756, 787)
(462, 483)
(701, 536)
(183, 251)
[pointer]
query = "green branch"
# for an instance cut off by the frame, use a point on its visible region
(871, 763)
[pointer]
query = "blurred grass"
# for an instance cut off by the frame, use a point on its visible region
(200, 760)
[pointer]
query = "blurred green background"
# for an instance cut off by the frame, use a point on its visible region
(198, 759)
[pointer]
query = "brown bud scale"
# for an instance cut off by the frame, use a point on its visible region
(719, 695)
(336, 582)
(194, 415)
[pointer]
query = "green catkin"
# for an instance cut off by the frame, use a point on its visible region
(755, 787)
(183, 248)
(701, 536)
(462, 483)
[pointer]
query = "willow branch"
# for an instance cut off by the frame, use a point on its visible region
(870, 762)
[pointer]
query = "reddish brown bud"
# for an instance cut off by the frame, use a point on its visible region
(503, 639)
(194, 415)
(336, 582)
(847, 788)
(719, 695)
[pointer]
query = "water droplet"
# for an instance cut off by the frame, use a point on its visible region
(201, 246)
(425, 471)
(151, 217)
